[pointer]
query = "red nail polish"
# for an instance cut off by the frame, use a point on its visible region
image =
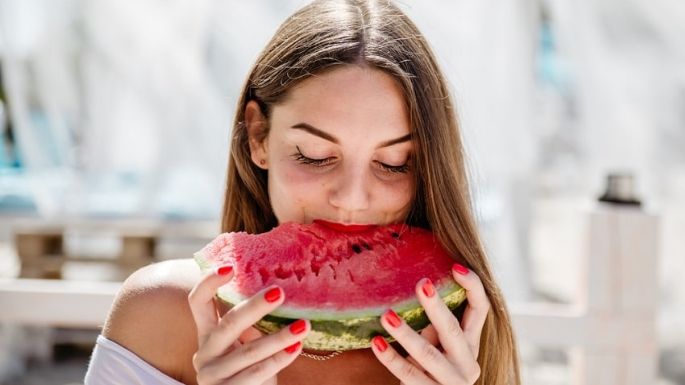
(379, 343)
(224, 270)
(460, 269)
(428, 288)
(393, 319)
(273, 294)
(293, 348)
(298, 326)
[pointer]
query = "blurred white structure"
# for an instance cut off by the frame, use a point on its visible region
(611, 329)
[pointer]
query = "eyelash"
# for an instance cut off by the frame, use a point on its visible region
(403, 169)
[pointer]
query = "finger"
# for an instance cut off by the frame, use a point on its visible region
(423, 352)
(412, 361)
(400, 367)
(478, 307)
(238, 319)
(449, 331)
(253, 352)
(431, 335)
(201, 300)
(250, 334)
(268, 368)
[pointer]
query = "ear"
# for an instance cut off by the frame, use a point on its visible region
(255, 123)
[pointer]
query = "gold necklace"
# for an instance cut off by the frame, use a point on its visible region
(318, 357)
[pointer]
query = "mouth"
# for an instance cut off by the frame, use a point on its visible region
(345, 228)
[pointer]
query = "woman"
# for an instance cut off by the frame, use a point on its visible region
(344, 117)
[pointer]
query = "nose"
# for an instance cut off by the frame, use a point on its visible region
(351, 191)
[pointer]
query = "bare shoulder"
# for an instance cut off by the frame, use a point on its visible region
(151, 317)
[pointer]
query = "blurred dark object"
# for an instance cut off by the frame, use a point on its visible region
(8, 154)
(42, 252)
(620, 189)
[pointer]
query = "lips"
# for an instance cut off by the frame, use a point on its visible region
(343, 227)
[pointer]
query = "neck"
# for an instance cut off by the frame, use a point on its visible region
(349, 367)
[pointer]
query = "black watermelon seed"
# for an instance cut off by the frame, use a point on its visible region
(395, 235)
(357, 249)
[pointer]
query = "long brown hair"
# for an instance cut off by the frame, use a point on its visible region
(329, 33)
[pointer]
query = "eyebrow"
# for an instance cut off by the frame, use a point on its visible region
(324, 135)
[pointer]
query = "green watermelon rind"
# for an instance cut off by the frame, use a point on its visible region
(356, 333)
(344, 330)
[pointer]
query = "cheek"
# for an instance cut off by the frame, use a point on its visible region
(294, 180)
(397, 197)
(291, 189)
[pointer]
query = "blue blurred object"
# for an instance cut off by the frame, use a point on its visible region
(15, 192)
(550, 69)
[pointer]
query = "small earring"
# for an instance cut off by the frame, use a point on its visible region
(262, 162)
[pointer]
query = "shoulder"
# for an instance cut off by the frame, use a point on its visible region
(151, 316)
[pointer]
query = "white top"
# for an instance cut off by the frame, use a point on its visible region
(112, 364)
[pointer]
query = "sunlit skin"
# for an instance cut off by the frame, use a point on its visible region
(339, 148)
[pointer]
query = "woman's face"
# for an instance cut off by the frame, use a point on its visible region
(338, 149)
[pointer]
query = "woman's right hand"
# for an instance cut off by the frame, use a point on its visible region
(230, 350)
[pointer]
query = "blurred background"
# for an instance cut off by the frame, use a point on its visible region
(115, 119)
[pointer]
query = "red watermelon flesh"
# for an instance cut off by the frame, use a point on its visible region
(316, 264)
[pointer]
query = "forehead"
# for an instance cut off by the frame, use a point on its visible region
(347, 96)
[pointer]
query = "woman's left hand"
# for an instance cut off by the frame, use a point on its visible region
(445, 352)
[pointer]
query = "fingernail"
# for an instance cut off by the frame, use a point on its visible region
(392, 318)
(379, 343)
(428, 288)
(460, 269)
(298, 326)
(273, 294)
(293, 348)
(224, 270)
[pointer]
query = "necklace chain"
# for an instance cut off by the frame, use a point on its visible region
(317, 357)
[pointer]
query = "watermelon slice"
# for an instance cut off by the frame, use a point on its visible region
(341, 278)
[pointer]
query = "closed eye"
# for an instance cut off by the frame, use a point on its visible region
(403, 169)
(298, 156)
